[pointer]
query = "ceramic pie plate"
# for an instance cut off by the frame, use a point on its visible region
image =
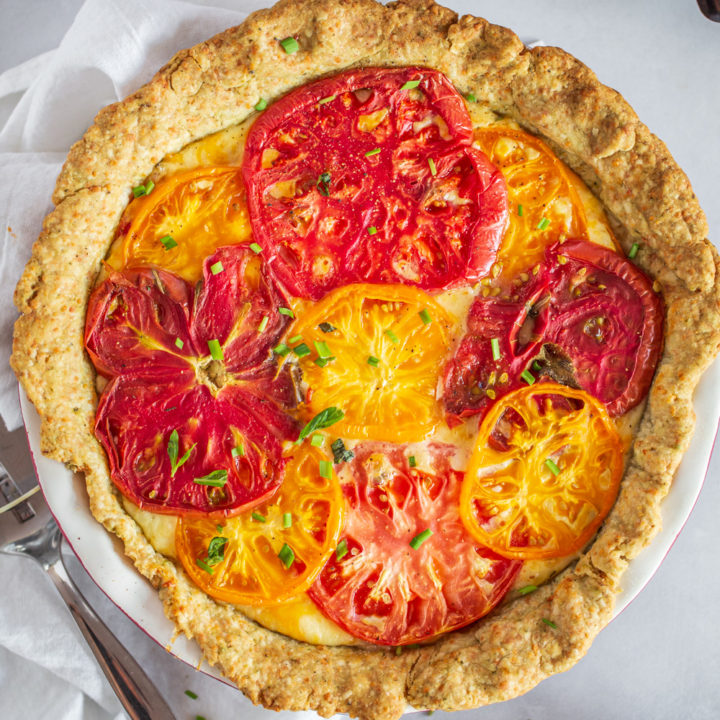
(102, 556)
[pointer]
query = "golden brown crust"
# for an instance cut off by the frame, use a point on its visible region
(216, 84)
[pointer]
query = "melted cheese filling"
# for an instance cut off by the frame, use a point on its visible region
(300, 618)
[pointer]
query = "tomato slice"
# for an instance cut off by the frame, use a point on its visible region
(369, 175)
(383, 589)
(595, 307)
(545, 207)
(201, 209)
(135, 420)
(388, 344)
(305, 515)
(606, 317)
(180, 394)
(544, 473)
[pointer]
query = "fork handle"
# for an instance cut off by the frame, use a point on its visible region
(137, 693)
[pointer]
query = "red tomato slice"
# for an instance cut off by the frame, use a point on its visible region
(598, 308)
(606, 317)
(150, 330)
(358, 177)
(135, 420)
(385, 591)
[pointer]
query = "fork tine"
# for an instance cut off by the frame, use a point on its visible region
(16, 501)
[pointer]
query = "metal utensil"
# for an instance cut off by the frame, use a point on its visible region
(138, 695)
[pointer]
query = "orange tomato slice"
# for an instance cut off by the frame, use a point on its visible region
(254, 566)
(388, 346)
(199, 209)
(544, 473)
(544, 204)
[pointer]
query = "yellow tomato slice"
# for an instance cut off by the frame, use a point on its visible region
(544, 204)
(255, 567)
(199, 209)
(544, 472)
(388, 346)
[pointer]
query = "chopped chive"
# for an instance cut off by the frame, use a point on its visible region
(552, 467)
(322, 362)
(207, 568)
(216, 268)
(536, 366)
(219, 528)
(172, 451)
(290, 45)
(527, 589)
(520, 210)
(191, 694)
(323, 184)
(287, 520)
(372, 230)
(295, 338)
(341, 550)
(215, 350)
(425, 316)
(325, 469)
(287, 556)
(317, 440)
(261, 104)
(217, 478)
(410, 85)
(168, 242)
(470, 97)
(322, 349)
(633, 250)
(326, 327)
(550, 623)
(420, 538)
(495, 345)
(542, 225)
(257, 517)
(340, 453)
(149, 186)
(255, 248)
(393, 337)
(179, 343)
(141, 190)
(324, 419)
(327, 99)
(238, 451)
(372, 152)
(301, 350)
(527, 376)
(286, 311)
(433, 169)
(263, 324)
(412, 462)
(372, 360)
(281, 349)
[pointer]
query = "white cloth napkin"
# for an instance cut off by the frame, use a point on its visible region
(112, 47)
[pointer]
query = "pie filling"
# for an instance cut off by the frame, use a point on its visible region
(371, 361)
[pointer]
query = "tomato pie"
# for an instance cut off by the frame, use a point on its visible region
(374, 334)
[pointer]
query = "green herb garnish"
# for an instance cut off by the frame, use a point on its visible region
(191, 694)
(322, 362)
(527, 376)
(179, 343)
(325, 469)
(527, 589)
(172, 451)
(327, 99)
(204, 566)
(168, 242)
(369, 153)
(215, 350)
(550, 623)
(261, 104)
(216, 550)
(341, 550)
(263, 324)
(287, 520)
(520, 210)
(322, 349)
(393, 337)
(495, 345)
(410, 85)
(412, 462)
(372, 360)
(290, 45)
(238, 451)
(543, 224)
(433, 168)
(470, 97)
(324, 419)
(552, 467)
(340, 453)
(257, 517)
(140, 190)
(287, 556)
(216, 268)
(286, 311)
(372, 230)
(281, 349)
(255, 248)
(217, 478)
(323, 184)
(301, 350)
(425, 316)
(326, 327)
(317, 440)
(420, 538)
(633, 250)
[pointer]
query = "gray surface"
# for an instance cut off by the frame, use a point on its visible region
(659, 659)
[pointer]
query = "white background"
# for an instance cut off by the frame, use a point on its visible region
(661, 657)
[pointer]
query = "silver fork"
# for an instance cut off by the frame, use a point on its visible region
(137, 693)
